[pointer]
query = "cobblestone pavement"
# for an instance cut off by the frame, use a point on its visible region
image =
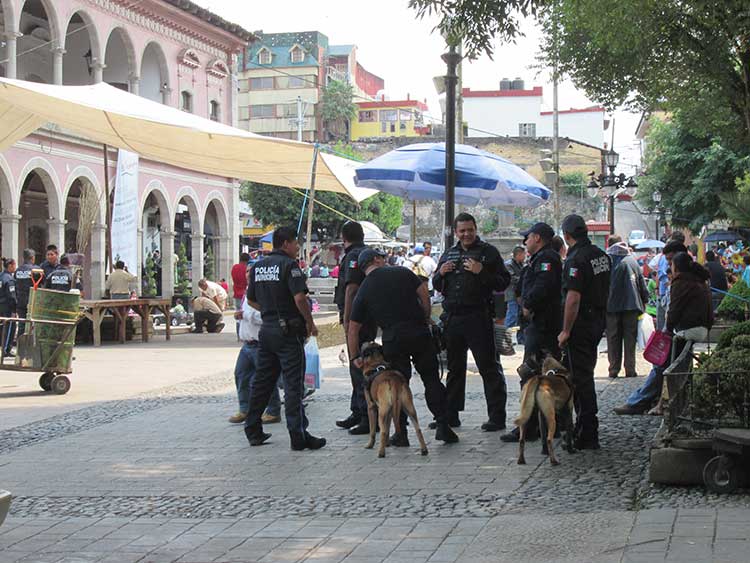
(161, 476)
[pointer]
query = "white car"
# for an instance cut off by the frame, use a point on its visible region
(636, 237)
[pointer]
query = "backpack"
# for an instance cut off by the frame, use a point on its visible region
(417, 268)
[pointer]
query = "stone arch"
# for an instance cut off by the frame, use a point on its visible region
(8, 192)
(153, 71)
(9, 220)
(86, 172)
(219, 242)
(9, 15)
(113, 73)
(41, 217)
(82, 48)
(52, 17)
(222, 213)
(191, 200)
(97, 49)
(51, 182)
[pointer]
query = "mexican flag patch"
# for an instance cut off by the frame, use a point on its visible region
(545, 267)
(574, 272)
(353, 264)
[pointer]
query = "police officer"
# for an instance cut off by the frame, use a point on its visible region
(24, 284)
(398, 302)
(52, 261)
(586, 287)
(61, 278)
(277, 288)
(8, 303)
(540, 300)
(351, 277)
(467, 275)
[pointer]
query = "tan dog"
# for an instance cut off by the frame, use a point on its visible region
(551, 392)
(387, 392)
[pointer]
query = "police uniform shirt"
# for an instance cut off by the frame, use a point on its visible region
(349, 272)
(464, 291)
(7, 293)
(388, 296)
(541, 289)
(587, 270)
(60, 279)
(24, 284)
(49, 268)
(273, 283)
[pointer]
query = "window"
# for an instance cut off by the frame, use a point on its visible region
(298, 55)
(388, 115)
(213, 111)
(187, 102)
(404, 115)
(243, 84)
(367, 116)
(297, 82)
(263, 83)
(290, 110)
(244, 112)
(262, 111)
(264, 57)
(527, 129)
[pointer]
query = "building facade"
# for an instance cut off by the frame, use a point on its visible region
(515, 111)
(282, 81)
(389, 118)
(169, 51)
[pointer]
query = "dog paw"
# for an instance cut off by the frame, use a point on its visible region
(369, 446)
(521, 461)
(381, 454)
(554, 462)
(423, 452)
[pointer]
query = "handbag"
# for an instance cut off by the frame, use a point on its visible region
(504, 341)
(657, 348)
(313, 370)
(645, 330)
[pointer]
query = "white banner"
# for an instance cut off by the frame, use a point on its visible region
(125, 212)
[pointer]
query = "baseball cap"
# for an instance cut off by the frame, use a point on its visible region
(574, 225)
(419, 250)
(541, 229)
(367, 256)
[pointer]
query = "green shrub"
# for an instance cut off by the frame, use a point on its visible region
(721, 382)
(728, 335)
(735, 309)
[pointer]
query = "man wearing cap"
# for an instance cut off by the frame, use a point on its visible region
(350, 278)
(399, 303)
(468, 274)
(540, 295)
(586, 274)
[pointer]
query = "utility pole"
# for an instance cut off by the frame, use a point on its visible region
(460, 96)
(300, 119)
(310, 204)
(556, 128)
(452, 59)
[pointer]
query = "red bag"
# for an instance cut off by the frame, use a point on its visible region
(658, 347)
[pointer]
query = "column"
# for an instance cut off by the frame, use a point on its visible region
(98, 68)
(196, 241)
(140, 261)
(9, 224)
(167, 264)
(56, 233)
(11, 53)
(98, 272)
(135, 85)
(224, 258)
(57, 65)
(166, 95)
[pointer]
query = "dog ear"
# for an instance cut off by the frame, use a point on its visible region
(551, 364)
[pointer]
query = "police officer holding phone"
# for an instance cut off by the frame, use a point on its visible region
(586, 275)
(467, 275)
(278, 289)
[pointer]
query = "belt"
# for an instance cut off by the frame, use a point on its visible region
(251, 342)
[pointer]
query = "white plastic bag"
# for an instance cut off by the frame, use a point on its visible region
(645, 330)
(313, 367)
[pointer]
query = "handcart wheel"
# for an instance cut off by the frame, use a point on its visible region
(60, 384)
(720, 475)
(45, 381)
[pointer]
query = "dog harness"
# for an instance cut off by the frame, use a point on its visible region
(554, 373)
(373, 373)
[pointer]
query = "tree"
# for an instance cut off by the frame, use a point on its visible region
(337, 108)
(208, 263)
(149, 277)
(691, 56)
(181, 271)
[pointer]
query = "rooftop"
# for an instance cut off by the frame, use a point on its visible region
(213, 19)
(591, 109)
(393, 104)
(468, 93)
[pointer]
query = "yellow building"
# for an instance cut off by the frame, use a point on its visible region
(389, 119)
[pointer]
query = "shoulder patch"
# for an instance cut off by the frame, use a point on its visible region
(296, 273)
(573, 272)
(545, 267)
(353, 264)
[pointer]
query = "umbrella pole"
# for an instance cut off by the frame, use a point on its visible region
(310, 204)
(414, 222)
(108, 219)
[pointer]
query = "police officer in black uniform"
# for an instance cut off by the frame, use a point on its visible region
(277, 288)
(586, 287)
(52, 261)
(398, 302)
(540, 297)
(351, 277)
(467, 275)
(24, 283)
(61, 278)
(8, 303)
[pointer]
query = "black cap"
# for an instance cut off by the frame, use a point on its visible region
(541, 229)
(574, 225)
(367, 256)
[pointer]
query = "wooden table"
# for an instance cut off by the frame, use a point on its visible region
(95, 310)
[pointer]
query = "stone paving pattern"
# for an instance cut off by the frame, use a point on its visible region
(161, 476)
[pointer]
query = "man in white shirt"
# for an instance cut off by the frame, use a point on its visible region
(244, 370)
(214, 292)
(422, 265)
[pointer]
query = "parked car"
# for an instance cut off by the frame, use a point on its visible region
(177, 319)
(636, 237)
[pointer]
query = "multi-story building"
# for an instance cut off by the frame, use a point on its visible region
(387, 118)
(282, 81)
(514, 111)
(169, 51)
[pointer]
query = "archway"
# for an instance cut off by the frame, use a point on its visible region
(83, 220)
(119, 58)
(155, 216)
(155, 83)
(81, 50)
(186, 227)
(39, 29)
(36, 216)
(217, 251)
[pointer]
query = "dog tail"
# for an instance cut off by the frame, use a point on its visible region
(527, 401)
(395, 407)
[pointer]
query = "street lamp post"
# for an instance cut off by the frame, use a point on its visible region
(451, 58)
(656, 196)
(614, 183)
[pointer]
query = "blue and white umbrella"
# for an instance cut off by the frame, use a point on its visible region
(417, 172)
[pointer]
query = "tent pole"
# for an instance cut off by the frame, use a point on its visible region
(310, 203)
(108, 219)
(414, 222)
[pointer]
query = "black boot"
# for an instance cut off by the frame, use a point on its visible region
(445, 433)
(256, 438)
(362, 428)
(348, 422)
(400, 440)
(300, 442)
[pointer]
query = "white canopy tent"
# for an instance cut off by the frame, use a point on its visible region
(161, 133)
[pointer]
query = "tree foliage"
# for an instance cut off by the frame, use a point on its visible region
(209, 263)
(149, 277)
(182, 283)
(337, 107)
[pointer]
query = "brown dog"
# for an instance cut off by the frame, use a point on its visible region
(387, 392)
(551, 392)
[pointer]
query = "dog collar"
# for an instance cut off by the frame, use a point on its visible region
(377, 370)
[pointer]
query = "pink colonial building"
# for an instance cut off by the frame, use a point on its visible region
(170, 51)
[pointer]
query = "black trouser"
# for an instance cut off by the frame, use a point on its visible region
(474, 332)
(9, 330)
(211, 319)
(358, 403)
(412, 343)
(539, 341)
(22, 313)
(580, 355)
(278, 355)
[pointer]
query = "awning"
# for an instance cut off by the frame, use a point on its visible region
(161, 133)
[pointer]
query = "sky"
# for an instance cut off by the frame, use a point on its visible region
(393, 44)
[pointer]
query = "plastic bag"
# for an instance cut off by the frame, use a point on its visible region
(645, 330)
(313, 367)
(658, 348)
(504, 341)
